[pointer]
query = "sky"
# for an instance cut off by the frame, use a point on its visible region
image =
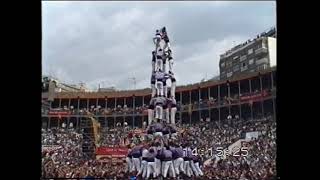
(109, 43)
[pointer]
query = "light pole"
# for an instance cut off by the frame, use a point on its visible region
(134, 82)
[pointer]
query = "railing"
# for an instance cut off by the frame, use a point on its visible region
(261, 50)
(243, 58)
(202, 105)
(244, 68)
(262, 60)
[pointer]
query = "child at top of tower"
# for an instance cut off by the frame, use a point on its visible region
(165, 37)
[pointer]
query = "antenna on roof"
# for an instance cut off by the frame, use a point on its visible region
(134, 82)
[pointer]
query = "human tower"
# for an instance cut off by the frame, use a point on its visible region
(162, 108)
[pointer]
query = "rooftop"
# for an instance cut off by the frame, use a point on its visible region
(271, 32)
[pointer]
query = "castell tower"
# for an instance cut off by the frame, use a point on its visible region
(162, 108)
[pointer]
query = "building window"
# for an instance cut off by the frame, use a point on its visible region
(259, 46)
(223, 64)
(264, 44)
(250, 51)
(244, 67)
(236, 68)
(228, 64)
(229, 74)
(235, 57)
(250, 61)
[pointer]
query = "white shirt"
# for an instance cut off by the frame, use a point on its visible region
(160, 100)
(145, 153)
(159, 75)
(159, 53)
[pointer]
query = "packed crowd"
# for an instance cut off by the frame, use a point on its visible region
(67, 159)
(260, 163)
(64, 151)
(120, 110)
(102, 111)
(117, 136)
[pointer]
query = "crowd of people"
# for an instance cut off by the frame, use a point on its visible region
(260, 163)
(67, 159)
(61, 151)
(125, 109)
(102, 111)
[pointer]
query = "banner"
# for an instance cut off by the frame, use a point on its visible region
(254, 96)
(59, 113)
(251, 135)
(50, 148)
(116, 152)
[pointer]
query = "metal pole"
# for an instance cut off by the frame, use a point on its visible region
(60, 103)
(134, 111)
(88, 104)
(239, 101)
(252, 103)
(199, 108)
(106, 105)
(274, 108)
(191, 107)
(142, 100)
(219, 104)
(180, 113)
(261, 89)
(77, 123)
(209, 108)
(229, 104)
(271, 80)
(78, 105)
(97, 106)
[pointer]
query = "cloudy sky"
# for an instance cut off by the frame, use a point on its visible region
(110, 42)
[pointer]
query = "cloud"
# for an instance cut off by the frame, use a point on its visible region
(106, 41)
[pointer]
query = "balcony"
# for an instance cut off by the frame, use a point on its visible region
(244, 68)
(261, 50)
(261, 61)
(242, 58)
